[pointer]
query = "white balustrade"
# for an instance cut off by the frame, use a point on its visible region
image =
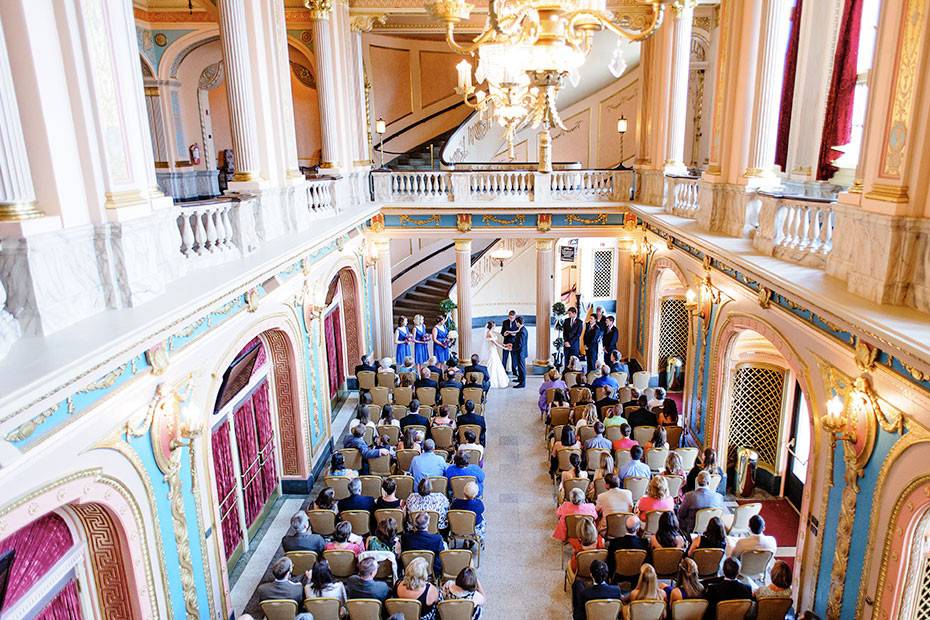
(682, 195)
(206, 228)
(500, 184)
(320, 196)
(795, 228)
(487, 266)
(584, 185)
(420, 185)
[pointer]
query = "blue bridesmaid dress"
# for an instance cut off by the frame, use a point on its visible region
(441, 346)
(403, 347)
(421, 345)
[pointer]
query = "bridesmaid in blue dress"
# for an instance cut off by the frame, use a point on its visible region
(421, 341)
(440, 341)
(402, 340)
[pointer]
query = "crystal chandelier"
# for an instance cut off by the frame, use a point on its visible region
(526, 51)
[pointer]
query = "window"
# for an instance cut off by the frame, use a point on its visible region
(603, 274)
(802, 441)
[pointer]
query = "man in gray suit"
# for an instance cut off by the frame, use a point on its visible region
(701, 497)
(282, 587)
(301, 538)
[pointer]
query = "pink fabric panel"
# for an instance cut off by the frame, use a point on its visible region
(337, 360)
(262, 407)
(226, 488)
(260, 358)
(247, 442)
(65, 606)
(39, 546)
(329, 326)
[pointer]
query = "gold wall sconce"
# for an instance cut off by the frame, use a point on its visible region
(701, 303)
(641, 251)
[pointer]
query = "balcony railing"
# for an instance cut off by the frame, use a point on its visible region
(320, 196)
(514, 186)
(682, 195)
(207, 228)
(798, 229)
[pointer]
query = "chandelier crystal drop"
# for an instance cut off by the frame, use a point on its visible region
(526, 51)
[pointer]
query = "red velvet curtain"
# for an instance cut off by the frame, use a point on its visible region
(65, 606)
(247, 444)
(329, 325)
(262, 408)
(337, 361)
(39, 546)
(226, 488)
(260, 358)
(787, 89)
(837, 125)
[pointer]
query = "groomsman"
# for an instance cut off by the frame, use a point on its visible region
(519, 353)
(592, 342)
(571, 334)
(508, 331)
(610, 336)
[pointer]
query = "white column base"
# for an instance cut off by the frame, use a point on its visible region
(651, 188)
(723, 207)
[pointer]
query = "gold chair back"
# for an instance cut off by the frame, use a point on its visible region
(450, 396)
(404, 486)
(603, 609)
(443, 436)
(734, 610)
(666, 561)
(358, 519)
(366, 379)
(772, 608)
(409, 609)
(643, 434)
(690, 609)
(324, 608)
(387, 379)
(322, 522)
(303, 561)
(341, 562)
(339, 485)
(279, 609)
(353, 458)
(708, 562)
(426, 395)
(458, 485)
(456, 609)
(403, 396)
(453, 561)
(628, 562)
(380, 395)
(703, 517)
(363, 609)
(648, 610)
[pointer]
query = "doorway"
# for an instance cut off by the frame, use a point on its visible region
(799, 444)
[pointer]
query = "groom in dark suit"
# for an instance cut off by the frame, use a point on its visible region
(519, 353)
(571, 334)
(508, 325)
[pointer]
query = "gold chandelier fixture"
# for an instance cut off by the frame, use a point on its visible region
(526, 51)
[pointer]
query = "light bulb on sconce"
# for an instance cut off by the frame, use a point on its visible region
(642, 251)
(621, 129)
(464, 76)
(690, 297)
(380, 129)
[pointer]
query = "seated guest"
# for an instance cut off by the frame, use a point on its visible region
(300, 537)
(432, 364)
(560, 399)
(780, 586)
(714, 537)
(413, 416)
(728, 589)
(323, 585)
(366, 365)
(443, 417)
(551, 382)
(326, 500)
(412, 439)
(609, 401)
(633, 539)
(574, 506)
(471, 443)
(282, 587)
(614, 499)
(461, 466)
(669, 414)
(617, 364)
(600, 590)
(408, 365)
(659, 440)
(574, 471)
(588, 539)
(425, 499)
(634, 399)
(571, 365)
(648, 587)
(356, 439)
(388, 497)
(657, 497)
(757, 540)
(598, 441)
(428, 463)
(386, 364)
(709, 464)
(568, 439)
(472, 503)
(356, 501)
(701, 497)
(604, 467)
(405, 380)
(625, 442)
(641, 415)
(449, 381)
(421, 540)
(470, 417)
(586, 416)
(362, 419)
(613, 416)
(425, 381)
(416, 586)
(466, 586)
(673, 469)
(364, 585)
(343, 538)
(657, 400)
(387, 417)
(475, 366)
(636, 468)
(688, 583)
(605, 380)
(669, 535)
(385, 537)
(337, 466)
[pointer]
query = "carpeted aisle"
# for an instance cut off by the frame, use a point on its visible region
(520, 565)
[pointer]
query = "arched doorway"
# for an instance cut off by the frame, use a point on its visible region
(670, 331)
(342, 329)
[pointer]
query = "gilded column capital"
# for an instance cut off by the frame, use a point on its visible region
(365, 22)
(319, 9)
(463, 245)
(544, 245)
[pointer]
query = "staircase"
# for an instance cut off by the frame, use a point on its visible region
(424, 298)
(418, 158)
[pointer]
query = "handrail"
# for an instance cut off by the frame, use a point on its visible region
(377, 145)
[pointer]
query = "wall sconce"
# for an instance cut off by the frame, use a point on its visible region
(621, 129)
(701, 303)
(642, 251)
(835, 422)
(501, 255)
(380, 129)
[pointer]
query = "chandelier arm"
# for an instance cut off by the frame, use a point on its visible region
(466, 50)
(658, 13)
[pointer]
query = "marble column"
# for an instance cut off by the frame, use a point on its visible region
(463, 295)
(678, 108)
(360, 24)
(545, 269)
(625, 294)
(239, 91)
(385, 298)
(17, 193)
(279, 29)
(769, 79)
(324, 51)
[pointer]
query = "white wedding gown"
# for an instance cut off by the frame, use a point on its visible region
(491, 357)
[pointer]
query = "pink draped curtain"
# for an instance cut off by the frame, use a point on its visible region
(329, 326)
(65, 606)
(262, 408)
(787, 89)
(247, 444)
(337, 361)
(260, 358)
(226, 488)
(39, 546)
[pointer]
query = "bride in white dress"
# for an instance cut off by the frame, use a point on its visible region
(491, 358)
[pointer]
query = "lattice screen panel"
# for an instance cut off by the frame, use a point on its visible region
(755, 413)
(673, 330)
(603, 273)
(922, 611)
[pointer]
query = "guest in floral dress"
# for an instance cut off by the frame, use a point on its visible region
(425, 499)
(466, 586)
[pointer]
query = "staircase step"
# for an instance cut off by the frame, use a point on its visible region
(445, 277)
(434, 287)
(422, 296)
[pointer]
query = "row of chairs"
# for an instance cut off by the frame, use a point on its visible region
(343, 566)
(365, 609)
(368, 379)
(689, 609)
(371, 485)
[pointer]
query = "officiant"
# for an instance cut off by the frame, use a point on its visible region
(508, 331)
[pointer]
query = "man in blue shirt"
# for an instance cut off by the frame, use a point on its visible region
(635, 468)
(605, 380)
(427, 464)
(598, 441)
(461, 467)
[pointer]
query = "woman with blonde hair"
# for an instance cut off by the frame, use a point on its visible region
(656, 498)
(588, 417)
(588, 539)
(421, 340)
(416, 586)
(606, 466)
(673, 468)
(688, 583)
(647, 589)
